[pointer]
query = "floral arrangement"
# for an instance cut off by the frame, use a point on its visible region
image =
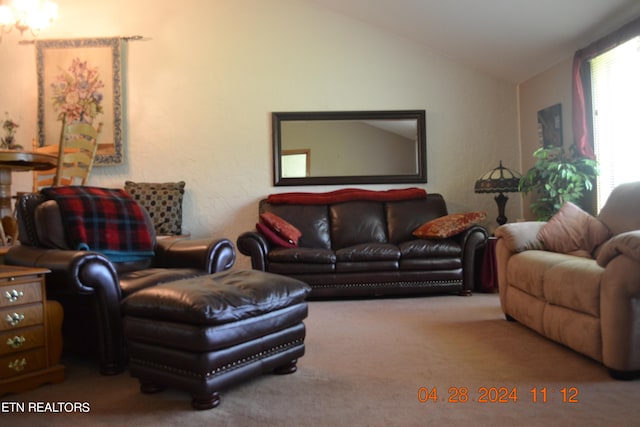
(9, 127)
(76, 92)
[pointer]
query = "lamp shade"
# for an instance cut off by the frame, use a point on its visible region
(498, 180)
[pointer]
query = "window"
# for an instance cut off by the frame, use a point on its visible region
(615, 77)
(296, 163)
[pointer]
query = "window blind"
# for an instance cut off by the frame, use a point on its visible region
(615, 80)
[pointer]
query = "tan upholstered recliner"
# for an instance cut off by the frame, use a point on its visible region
(91, 287)
(591, 305)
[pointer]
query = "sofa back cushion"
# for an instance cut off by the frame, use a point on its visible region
(403, 217)
(311, 220)
(620, 212)
(49, 227)
(357, 222)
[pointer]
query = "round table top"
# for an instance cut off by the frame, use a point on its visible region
(17, 160)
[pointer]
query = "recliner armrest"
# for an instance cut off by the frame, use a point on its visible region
(521, 236)
(82, 272)
(623, 244)
(211, 255)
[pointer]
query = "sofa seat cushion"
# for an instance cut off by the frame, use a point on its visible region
(363, 266)
(562, 280)
(431, 264)
(526, 270)
(430, 254)
(368, 257)
(301, 260)
(574, 284)
(430, 248)
(368, 252)
(302, 255)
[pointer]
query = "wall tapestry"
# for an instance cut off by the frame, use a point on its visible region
(83, 79)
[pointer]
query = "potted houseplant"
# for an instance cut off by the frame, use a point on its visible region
(8, 140)
(558, 177)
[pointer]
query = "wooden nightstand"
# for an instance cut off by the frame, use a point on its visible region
(30, 331)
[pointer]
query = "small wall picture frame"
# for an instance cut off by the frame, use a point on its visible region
(550, 126)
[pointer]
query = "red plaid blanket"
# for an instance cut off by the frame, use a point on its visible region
(104, 220)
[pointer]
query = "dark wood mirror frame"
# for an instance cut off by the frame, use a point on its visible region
(420, 175)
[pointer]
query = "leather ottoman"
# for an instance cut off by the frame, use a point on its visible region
(208, 333)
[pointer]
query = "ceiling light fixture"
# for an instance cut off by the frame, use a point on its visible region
(33, 15)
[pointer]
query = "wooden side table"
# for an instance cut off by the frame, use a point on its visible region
(17, 160)
(30, 331)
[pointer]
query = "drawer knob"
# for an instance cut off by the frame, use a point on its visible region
(15, 318)
(16, 342)
(13, 295)
(18, 364)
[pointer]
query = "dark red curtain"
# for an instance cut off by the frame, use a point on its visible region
(582, 117)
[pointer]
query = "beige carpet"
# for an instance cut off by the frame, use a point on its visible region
(368, 363)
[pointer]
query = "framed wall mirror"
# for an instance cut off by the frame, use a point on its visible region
(349, 147)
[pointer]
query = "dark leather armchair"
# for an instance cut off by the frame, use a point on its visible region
(91, 287)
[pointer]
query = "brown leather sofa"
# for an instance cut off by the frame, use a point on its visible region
(91, 287)
(366, 248)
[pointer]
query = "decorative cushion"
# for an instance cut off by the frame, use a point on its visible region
(573, 231)
(281, 227)
(272, 237)
(448, 225)
(163, 201)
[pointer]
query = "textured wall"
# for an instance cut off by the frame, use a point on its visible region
(201, 87)
(547, 89)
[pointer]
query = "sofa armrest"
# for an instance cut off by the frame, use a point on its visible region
(521, 236)
(81, 272)
(254, 245)
(470, 240)
(211, 255)
(474, 232)
(624, 243)
(620, 304)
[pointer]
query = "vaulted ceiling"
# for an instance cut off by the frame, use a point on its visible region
(511, 39)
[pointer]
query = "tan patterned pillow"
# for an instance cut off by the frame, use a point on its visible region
(163, 201)
(448, 225)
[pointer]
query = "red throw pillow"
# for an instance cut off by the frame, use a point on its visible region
(272, 237)
(448, 225)
(281, 227)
